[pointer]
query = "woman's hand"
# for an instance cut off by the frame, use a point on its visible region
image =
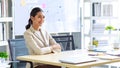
(56, 48)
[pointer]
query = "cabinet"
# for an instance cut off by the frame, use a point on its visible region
(5, 19)
(5, 22)
(102, 13)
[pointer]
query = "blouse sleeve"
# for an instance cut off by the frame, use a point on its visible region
(33, 46)
(51, 40)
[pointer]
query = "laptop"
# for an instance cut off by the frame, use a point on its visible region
(77, 60)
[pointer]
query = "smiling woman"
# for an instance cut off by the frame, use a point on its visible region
(36, 18)
(38, 40)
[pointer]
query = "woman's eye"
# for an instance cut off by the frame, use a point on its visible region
(43, 16)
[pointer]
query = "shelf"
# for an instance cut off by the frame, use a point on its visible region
(86, 17)
(101, 17)
(86, 0)
(6, 19)
(3, 43)
(104, 35)
(100, 35)
(102, 0)
(104, 17)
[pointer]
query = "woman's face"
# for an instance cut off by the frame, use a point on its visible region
(38, 19)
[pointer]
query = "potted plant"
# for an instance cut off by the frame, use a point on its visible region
(109, 28)
(95, 43)
(3, 56)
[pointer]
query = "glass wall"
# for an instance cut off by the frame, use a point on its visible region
(60, 15)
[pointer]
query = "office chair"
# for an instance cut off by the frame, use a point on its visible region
(66, 42)
(17, 47)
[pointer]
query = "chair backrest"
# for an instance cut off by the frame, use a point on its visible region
(66, 42)
(17, 47)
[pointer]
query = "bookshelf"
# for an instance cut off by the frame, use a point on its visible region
(102, 14)
(101, 11)
(5, 20)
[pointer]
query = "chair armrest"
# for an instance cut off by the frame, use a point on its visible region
(31, 64)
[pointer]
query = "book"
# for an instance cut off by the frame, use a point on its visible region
(96, 10)
(107, 10)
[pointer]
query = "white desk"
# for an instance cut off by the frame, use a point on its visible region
(53, 59)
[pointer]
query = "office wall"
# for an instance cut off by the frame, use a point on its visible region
(61, 15)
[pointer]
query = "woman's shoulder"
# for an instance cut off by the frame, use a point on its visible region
(28, 31)
(44, 30)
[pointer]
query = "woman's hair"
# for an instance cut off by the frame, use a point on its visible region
(33, 13)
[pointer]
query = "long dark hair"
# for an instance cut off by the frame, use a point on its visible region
(33, 13)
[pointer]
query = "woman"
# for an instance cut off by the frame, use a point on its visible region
(38, 41)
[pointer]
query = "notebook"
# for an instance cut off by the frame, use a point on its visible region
(77, 60)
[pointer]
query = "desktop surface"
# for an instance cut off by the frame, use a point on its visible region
(53, 59)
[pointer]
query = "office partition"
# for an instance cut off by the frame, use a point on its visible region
(60, 15)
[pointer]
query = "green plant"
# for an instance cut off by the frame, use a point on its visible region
(109, 27)
(3, 55)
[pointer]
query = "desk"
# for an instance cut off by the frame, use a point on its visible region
(53, 59)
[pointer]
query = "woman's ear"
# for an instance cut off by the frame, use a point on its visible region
(32, 18)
